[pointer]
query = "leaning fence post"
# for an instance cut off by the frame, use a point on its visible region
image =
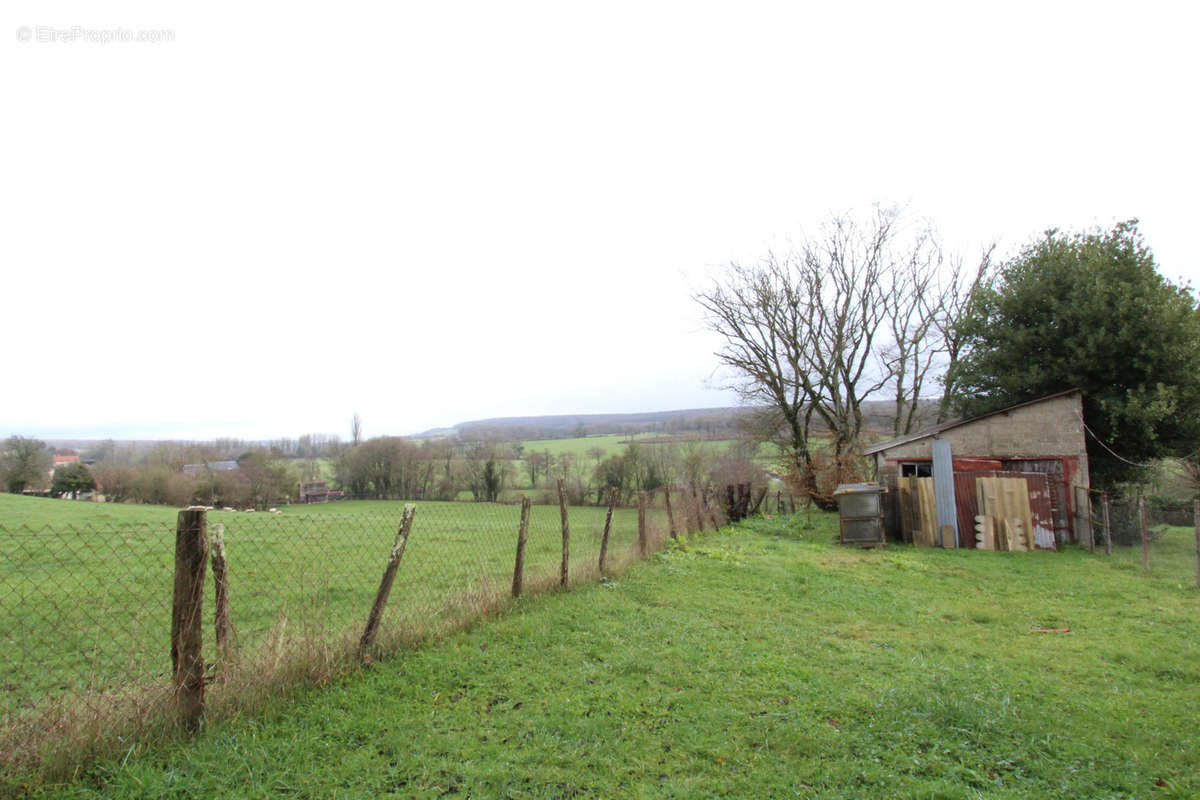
(1145, 544)
(385, 584)
(564, 573)
(612, 501)
(643, 544)
(187, 623)
(1196, 520)
(670, 514)
(221, 595)
(522, 537)
(1107, 525)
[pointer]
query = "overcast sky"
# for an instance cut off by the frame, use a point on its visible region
(272, 217)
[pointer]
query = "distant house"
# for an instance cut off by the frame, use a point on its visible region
(314, 492)
(1044, 436)
(209, 466)
(62, 461)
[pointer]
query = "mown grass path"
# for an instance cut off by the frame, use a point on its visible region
(758, 662)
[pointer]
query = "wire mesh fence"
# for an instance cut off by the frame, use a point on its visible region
(1136, 529)
(90, 620)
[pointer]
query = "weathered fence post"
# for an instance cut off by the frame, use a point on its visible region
(670, 514)
(522, 537)
(221, 595)
(385, 584)
(187, 623)
(643, 544)
(762, 495)
(1145, 544)
(1084, 513)
(564, 573)
(1107, 524)
(1196, 520)
(612, 501)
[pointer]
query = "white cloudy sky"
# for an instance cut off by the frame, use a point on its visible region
(432, 212)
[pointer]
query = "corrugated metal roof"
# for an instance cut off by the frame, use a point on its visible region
(945, 426)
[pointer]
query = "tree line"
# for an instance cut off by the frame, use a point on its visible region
(383, 467)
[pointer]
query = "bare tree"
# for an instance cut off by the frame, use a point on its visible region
(356, 429)
(814, 332)
(843, 281)
(957, 303)
(915, 301)
(760, 314)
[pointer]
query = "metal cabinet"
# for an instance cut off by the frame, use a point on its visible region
(860, 508)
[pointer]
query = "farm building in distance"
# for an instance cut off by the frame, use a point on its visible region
(1042, 440)
(314, 492)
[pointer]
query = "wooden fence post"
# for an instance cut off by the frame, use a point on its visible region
(643, 544)
(1145, 544)
(670, 514)
(758, 504)
(1196, 520)
(612, 501)
(221, 595)
(522, 537)
(709, 509)
(1083, 513)
(564, 573)
(187, 623)
(385, 583)
(1107, 524)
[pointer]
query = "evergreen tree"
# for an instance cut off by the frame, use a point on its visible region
(1090, 311)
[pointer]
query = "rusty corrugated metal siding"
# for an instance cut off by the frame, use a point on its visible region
(1040, 493)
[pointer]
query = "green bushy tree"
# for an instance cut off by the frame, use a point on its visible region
(24, 464)
(72, 479)
(1091, 311)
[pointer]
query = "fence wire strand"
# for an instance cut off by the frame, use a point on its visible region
(85, 611)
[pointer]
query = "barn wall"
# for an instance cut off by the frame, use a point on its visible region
(1050, 429)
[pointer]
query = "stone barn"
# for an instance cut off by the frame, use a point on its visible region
(1043, 437)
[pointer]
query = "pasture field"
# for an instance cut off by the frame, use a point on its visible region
(86, 588)
(762, 661)
(611, 444)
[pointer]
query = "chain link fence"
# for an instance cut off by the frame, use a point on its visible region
(93, 637)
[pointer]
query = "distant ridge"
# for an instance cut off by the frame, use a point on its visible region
(878, 415)
(552, 426)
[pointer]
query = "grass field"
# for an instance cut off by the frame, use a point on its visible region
(759, 662)
(86, 588)
(611, 444)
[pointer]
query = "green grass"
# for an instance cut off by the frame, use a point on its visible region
(759, 662)
(86, 588)
(611, 444)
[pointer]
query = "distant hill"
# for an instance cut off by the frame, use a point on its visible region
(715, 422)
(560, 426)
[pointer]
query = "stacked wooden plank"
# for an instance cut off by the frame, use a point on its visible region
(918, 511)
(1005, 519)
